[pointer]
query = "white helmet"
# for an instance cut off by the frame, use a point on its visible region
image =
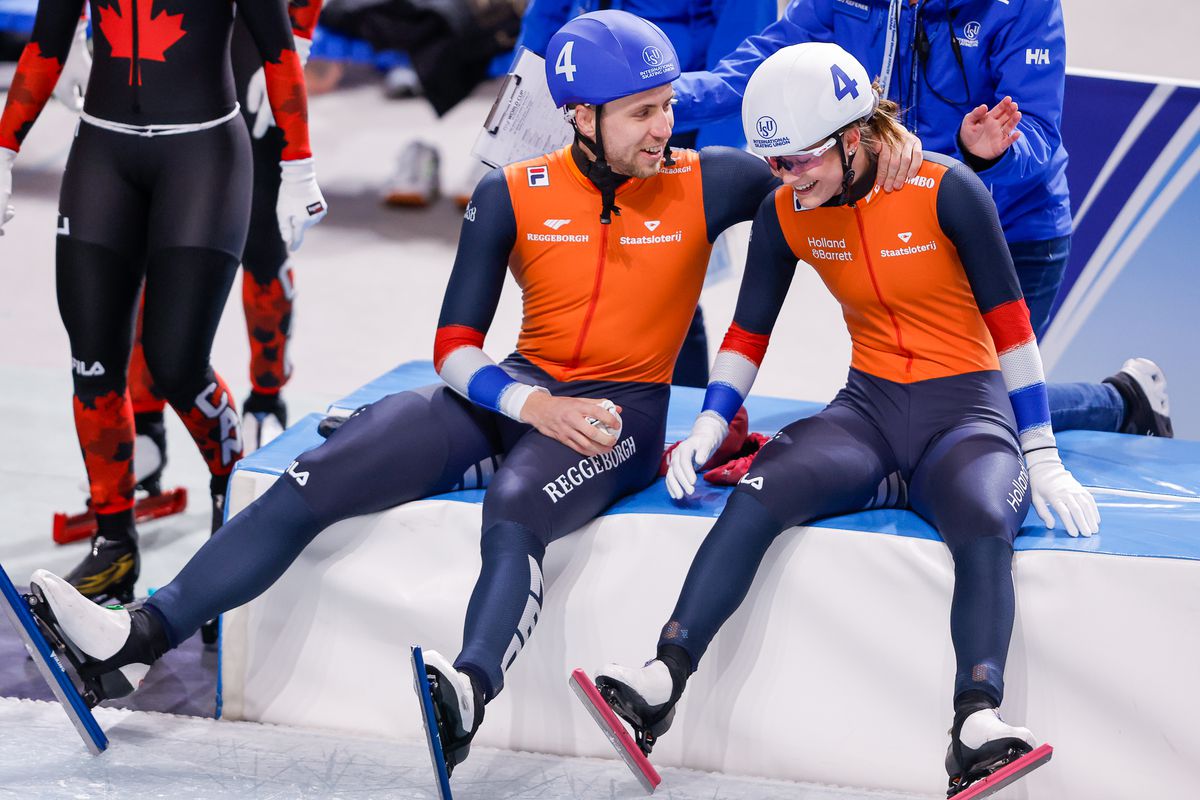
(802, 95)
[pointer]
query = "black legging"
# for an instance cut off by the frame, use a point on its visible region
(171, 211)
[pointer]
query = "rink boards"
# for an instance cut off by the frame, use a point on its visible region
(837, 668)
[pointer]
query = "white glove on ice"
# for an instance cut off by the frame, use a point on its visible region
(72, 83)
(1055, 488)
(6, 166)
(257, 102)
(300, 204)
(707, 434)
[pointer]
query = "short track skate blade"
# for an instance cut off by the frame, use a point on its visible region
(1009, 773)
(73, 527)
(615, 730)
(432, 738)
(51, 668)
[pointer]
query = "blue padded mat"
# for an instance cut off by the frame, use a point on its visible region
(1148, 489)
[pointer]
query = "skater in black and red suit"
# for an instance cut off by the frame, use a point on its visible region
(156, 192)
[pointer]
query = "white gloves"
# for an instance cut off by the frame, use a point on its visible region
(72, 83)
(257, 102)
(707, 434)
(1054, 487)
(6, 166)
(300, 204)
(611, 408)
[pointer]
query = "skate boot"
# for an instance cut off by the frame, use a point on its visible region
(110, 570)
(416, 181)
(645, 698)
(457, 707)
(1143, 387)
(980, 744)
(150, 501)
(264, 416)
(111, 649)
(149, 452)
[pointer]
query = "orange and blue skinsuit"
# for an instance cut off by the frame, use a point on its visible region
(945, 393)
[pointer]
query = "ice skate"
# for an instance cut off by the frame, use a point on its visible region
(105, 645)
(645, 698)
(452, 709)
(416, 181)
(458, 707)
(109, 571)
(264, 417)
(986, 754)
(150, 501)
(19, 610)
(626, 748)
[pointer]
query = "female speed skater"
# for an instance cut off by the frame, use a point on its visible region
(155, 200)
(945, 386)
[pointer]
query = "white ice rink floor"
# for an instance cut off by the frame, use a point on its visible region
(162, 755)
(370, 283)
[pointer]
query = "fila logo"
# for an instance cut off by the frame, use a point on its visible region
(555, 224)
(652, 224)
(64, 226)
(538, 176)
(83, 370)
(757, 483)
(904, 237)
(301, 477)
(1034, 55)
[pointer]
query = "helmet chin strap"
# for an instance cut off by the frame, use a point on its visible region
(848, 175)
(600, 173)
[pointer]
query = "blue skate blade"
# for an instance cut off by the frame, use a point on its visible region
(425, 696)
(51, 668)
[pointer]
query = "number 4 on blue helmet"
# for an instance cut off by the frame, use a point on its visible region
(600, 57)
(605, 55)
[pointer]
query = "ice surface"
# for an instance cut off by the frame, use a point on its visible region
(161, 755)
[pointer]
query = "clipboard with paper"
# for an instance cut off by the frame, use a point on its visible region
(524, 122)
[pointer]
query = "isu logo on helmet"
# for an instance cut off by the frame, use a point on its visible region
(652, 56)
(803, 94)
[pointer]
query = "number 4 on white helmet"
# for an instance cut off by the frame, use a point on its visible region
(802, 95)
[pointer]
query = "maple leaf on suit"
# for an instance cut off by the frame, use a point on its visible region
(156, 34)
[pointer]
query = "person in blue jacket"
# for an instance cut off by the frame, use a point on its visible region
(958, 69)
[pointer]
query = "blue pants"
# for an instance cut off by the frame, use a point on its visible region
(423, 442)
(1073, 406)
(952, 440)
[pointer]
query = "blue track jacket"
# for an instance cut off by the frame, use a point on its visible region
(1008, 47)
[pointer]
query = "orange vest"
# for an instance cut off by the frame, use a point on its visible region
(607, 302)
(903, 291)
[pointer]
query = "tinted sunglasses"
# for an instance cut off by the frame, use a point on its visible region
(798, 162)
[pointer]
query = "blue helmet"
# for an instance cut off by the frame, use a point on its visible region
(604, 55)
